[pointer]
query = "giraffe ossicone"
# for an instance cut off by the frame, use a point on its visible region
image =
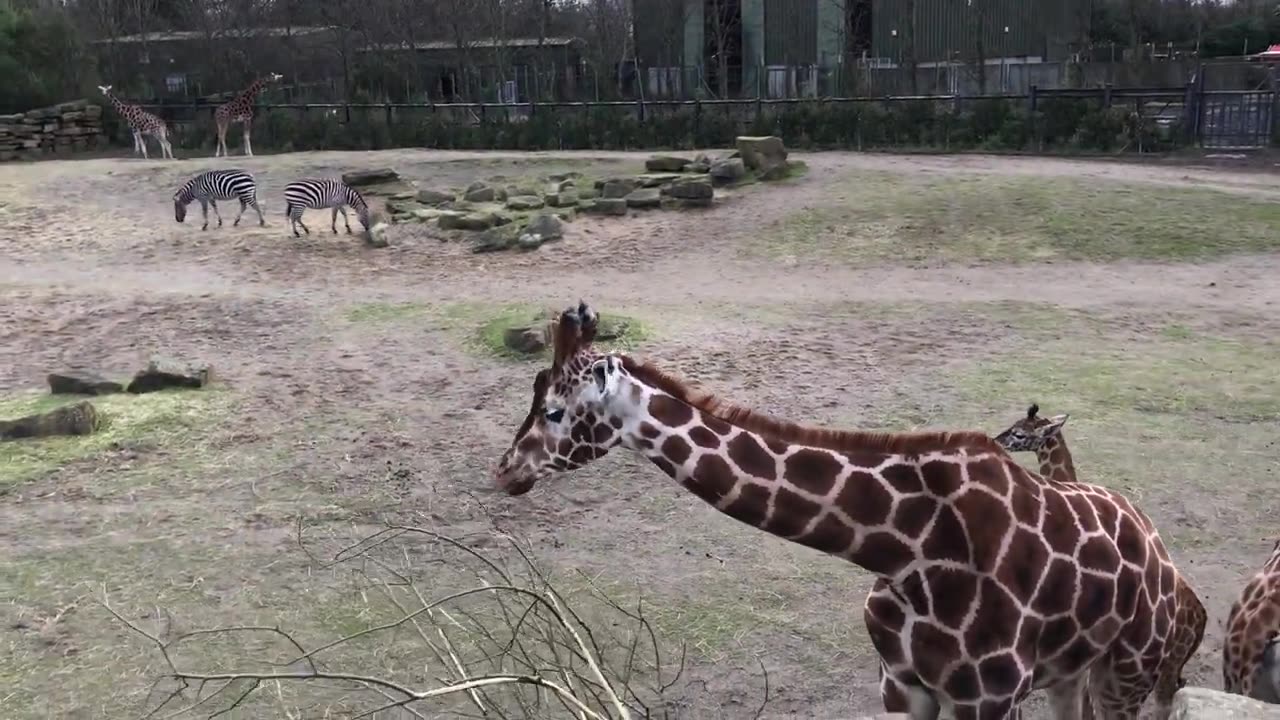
(991, 581)
(1044, 437)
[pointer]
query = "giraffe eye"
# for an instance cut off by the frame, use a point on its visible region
(555, 416)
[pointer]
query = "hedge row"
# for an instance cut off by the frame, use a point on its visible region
(1063, 125)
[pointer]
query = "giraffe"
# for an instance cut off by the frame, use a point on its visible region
(1043, 436)
(991, 581)
(142, 123)
(1251, 651)
(239, 109)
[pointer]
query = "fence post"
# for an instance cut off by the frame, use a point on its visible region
(1031, 98)
(1106, 96)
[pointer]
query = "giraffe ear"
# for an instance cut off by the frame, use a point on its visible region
(605, 374)
(1055, 425)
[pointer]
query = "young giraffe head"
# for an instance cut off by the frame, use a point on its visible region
(1032, 433)
(570, 421)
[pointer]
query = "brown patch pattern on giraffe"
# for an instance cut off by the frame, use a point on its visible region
(1252, 624)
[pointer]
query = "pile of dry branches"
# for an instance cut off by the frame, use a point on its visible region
(502, 641)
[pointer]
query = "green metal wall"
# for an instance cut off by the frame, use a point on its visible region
(945, 27)
(791, 32)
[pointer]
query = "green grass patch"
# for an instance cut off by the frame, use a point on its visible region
(892, 217)
(483, 327)
(160, 419)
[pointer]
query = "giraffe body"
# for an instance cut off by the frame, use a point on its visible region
(1251, 651)
(1044, 437)
(141, 123)
(991, 581)
(239, 109)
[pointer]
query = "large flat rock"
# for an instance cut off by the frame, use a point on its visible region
(1194, 703)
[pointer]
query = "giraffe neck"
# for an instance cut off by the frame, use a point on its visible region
(809, 495)
(254, 88)
(1055, 460)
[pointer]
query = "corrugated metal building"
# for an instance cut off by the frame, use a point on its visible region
(945, 29)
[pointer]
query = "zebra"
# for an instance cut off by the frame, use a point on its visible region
(323, 193)
(211, 186)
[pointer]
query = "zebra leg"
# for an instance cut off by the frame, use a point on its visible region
(243, 205)
(334, 220)
(346, 221)
(214, 203)
(204, 212)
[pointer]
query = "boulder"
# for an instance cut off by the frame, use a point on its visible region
(496, 239)
(780, 171)
(588, 192)
(166, 372)
(477, 221)
(525, 202)
(546, 226)
(558, 177)
(480, 192)
(692, 192)
(80, 418)
(433, 197)
(563, 198)
(644, 198)
(649, 180)
(1196, 703)
(426, 214)
(404, 195)
(665, 163)
(605, 206)
(725, 172)
(565, 184)
(450, 219)
(360, 178)
(697, 167)
(82, 382)
(762, 153)
(525, 340)
(618, 187)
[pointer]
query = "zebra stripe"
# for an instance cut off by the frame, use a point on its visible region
(209, 187)
(321, 193)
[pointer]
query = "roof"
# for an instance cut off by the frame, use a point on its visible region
(475, 44)
(188, 35)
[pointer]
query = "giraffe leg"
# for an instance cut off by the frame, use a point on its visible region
(204, 212)
(1067, 699)
(221, 148)
(142, 143)
(248, 147)
(217, 214)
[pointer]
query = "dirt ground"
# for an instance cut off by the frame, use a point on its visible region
(351, 394)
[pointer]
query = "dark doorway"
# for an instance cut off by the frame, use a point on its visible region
(858, 32)
(722, 46)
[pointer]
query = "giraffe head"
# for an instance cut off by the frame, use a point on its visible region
(106, 89)
(575, 416)
(274, 77)
(1031, 433)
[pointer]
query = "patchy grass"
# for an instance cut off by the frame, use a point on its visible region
(379, 312)
(890, 217)
(1183, 423)
(157, 420)
(483, 325)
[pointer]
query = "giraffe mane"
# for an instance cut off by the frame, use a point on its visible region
(786, 431)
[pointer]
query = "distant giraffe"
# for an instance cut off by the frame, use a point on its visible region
(1251, 651)
(142, 123)
(239, 109)
(1044, 437)
(991, 582)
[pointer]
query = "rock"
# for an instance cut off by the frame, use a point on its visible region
(656, 180)
(697, 167)
(404, 195)
(558, 177)
(780, 171)
(477, 221)
(665, 163)
(725, 172)
(562, 185)
(401, 207)
(479, 192)
(644, 198)
(762, 153)
(165, 372)
(426, 214)
(547, 226)
(376, 235)
(1195, 703)
(568, 214)
(80, 418)
(618, 188)
(563, 199)
(884, 716)
(496, 239)
(525, 340)
(605, 206)
(697, 193)
(433, 197)
(450, 219)
(525, 202)
(587, 193)
(360, 178)
(82, 382)
(530, 241)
